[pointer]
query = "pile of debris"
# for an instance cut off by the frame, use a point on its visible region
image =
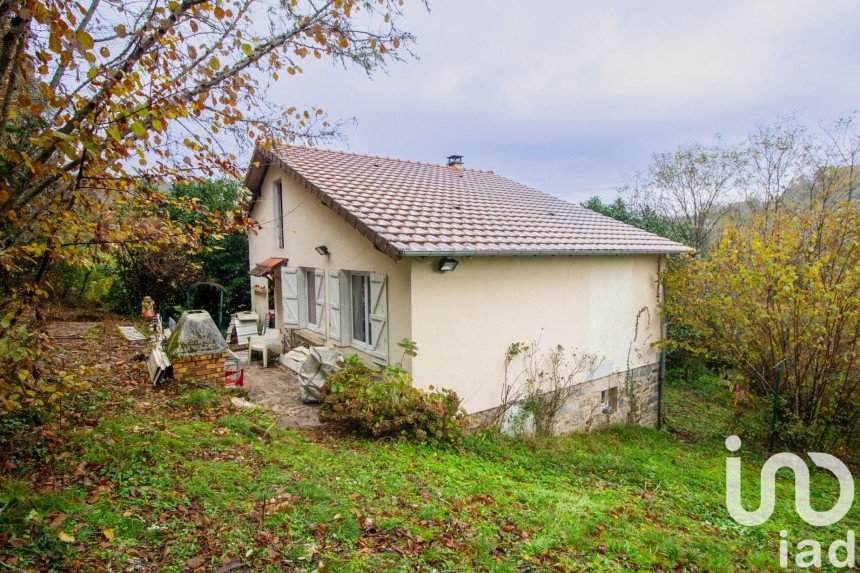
(194, 349)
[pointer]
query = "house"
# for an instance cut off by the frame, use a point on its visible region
(363, 251)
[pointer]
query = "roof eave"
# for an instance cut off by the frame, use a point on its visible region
(254, 176)
(544, 253)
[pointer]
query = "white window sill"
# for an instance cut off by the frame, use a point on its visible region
(366, 358)
(360, 346)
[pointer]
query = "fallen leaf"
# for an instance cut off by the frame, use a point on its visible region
(65, 537)
(231, 566)
(58, 521)
(108, 533)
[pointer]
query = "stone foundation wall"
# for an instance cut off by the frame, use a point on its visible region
(205, 368)
(637, 403)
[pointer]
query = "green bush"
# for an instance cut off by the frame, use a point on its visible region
(386, 404)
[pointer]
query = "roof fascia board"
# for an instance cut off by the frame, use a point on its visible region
(542, 253)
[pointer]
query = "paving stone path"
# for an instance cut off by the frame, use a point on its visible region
(277, 388)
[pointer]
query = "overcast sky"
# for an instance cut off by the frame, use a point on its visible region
(568, 97)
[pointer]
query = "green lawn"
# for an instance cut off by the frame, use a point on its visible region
(177, 481)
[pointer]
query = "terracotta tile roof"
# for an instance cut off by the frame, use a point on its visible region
(407, 208)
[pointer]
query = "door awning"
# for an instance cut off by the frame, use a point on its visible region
(267, 267)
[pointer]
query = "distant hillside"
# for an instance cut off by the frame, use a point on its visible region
(829, 185)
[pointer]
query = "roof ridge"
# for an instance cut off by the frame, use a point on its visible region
(385, 157)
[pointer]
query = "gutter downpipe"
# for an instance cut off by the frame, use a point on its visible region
(661, 371)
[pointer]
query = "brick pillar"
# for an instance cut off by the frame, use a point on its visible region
(204, 368)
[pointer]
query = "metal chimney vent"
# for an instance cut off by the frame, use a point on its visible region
(455, 160)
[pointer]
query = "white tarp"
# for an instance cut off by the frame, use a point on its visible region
(321, 363)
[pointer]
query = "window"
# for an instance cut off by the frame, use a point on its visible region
(311, 290)
(610, 400)
(360, 309)
(278, 197)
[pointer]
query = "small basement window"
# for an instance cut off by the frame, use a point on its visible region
(610, 400)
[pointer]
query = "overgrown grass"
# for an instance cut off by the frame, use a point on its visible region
(184, 483)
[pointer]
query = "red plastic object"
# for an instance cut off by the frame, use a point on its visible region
(234, 376)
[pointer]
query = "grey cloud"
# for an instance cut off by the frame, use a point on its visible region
(569, 96)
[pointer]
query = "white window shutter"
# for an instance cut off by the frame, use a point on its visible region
(290, 296)
(319, 284)
(379, 318)
(334, 308)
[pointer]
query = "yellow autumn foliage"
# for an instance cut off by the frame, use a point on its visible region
(782, 287)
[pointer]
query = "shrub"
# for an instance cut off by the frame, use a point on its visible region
(386, 404)
(31, 371)
(545, 383)
(779, 296)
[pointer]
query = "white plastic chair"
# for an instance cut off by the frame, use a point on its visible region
(269, 340)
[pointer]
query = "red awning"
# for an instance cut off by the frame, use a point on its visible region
(267, 267)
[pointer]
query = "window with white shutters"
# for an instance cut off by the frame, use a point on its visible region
(312, 295)
(368, 312)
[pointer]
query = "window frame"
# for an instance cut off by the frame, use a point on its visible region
(278, 198)
(609, 400)
(310, 299)
(354, 342)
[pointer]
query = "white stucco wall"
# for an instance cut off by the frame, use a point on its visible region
(464, 320)
(307, 224)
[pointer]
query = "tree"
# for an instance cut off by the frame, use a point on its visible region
(167, 272)
(223, 258)
(783, 289)
(790, 168)
(104, 101)
(162, 273)
(647, 218)
(100, 97)
(780, 156)
(692, 189)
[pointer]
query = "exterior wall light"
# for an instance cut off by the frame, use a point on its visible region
(447, 264)
(323, 250)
